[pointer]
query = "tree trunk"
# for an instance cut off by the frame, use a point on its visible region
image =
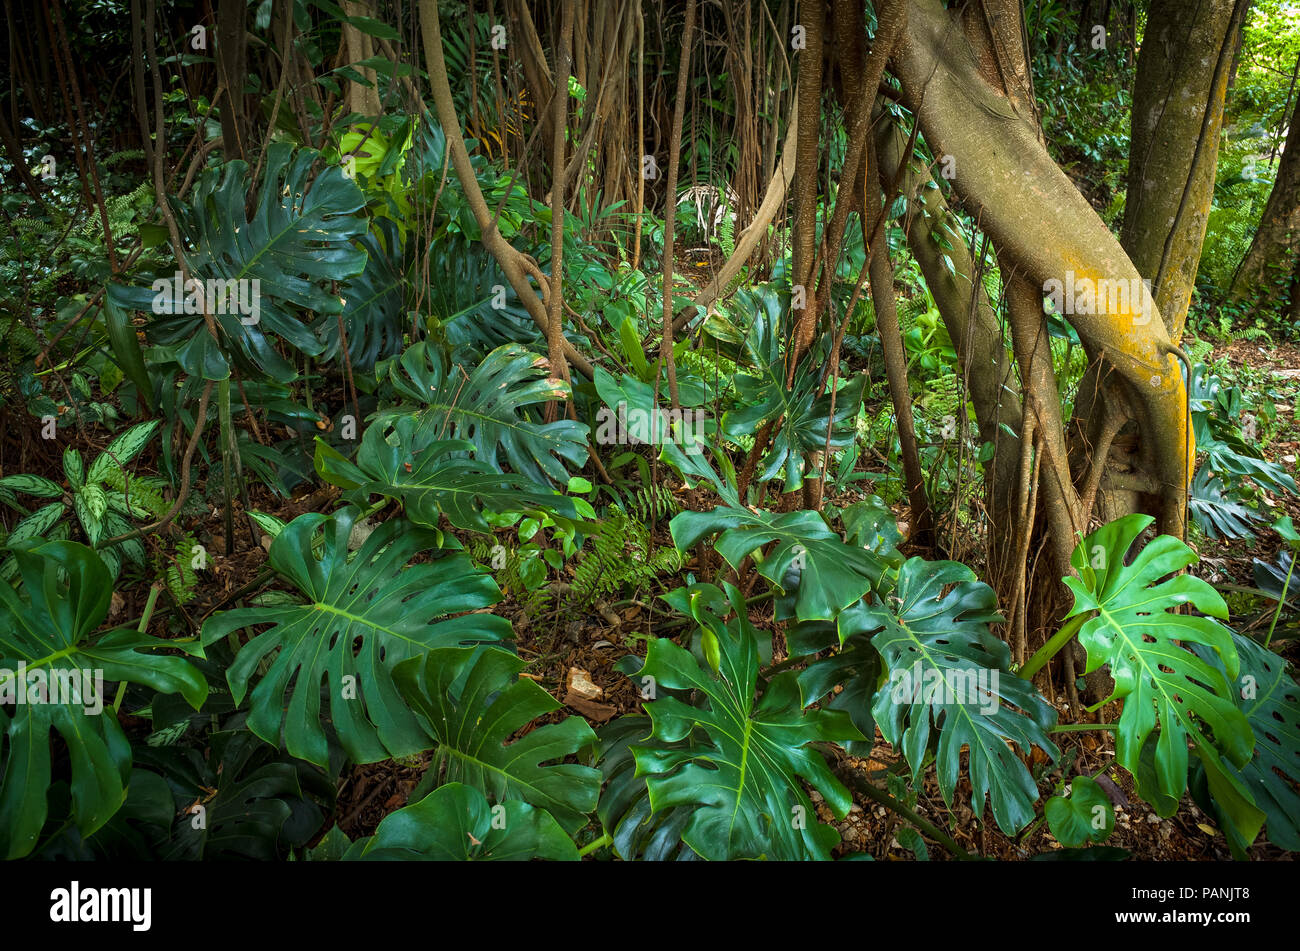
(973, 327)
(1042, 225)
(1182, 77)
(232, 68)
(1265, 270)
(362, 98)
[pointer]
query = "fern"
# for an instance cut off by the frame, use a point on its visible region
(727, 235)
(145, 493)
(644, 503)
(942, 396)
(178, 573)
(621, 558)
(711, 366)
(486, 552)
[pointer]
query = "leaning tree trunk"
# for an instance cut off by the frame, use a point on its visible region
(1182, 78)
(1275, 250)
(1048, 232)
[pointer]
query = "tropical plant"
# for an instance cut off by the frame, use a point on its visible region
(104, 498)
(741, 776)
(334, 652)
(299, 238)
(470, 702)
(55, 664)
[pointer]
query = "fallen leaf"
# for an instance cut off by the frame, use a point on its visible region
(600, 712)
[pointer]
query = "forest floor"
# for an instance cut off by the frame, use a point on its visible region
(566, 638)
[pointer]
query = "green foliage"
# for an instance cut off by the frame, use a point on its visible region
(455, 823)
(763, 396)
(743, 776)
(1127, 623)
(433, 478)
(490, 407)
(1269, 698)
(233, 797)
(637, 831)
(298, 239)
(469, 703)
(102, 497)
(50, 629)
(808, 557)
(1082, 817)
(1221, 500)
(621, 558)
(361, 616)
(951, 686)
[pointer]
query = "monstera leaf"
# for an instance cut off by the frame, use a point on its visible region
(490, 409)
(854, 666)
(1270, 700)
(374, 314)
(949, 674)
(299, 238)
(830, 575)
(362, 615)
(805, 415)
(237, 798)
(49, 659)
(637, 831)
(743, 777)
(471, 702)
(1127, 622)
(455, 823)
(471, 299)
(433, 477)
(1215, 511)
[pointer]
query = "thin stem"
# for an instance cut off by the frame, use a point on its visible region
(1083, 727)
(869, 790)
(600, 843)
(143, 626)
(1281, 600)
(1051, 648)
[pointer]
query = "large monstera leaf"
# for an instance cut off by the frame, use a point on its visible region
(853, 666)
(362, 615)
(299, 238)
(401, 459)
(1128, 622)
(48, 629)
(489, 407)
(636, 830)
(742, 775)
(1269, 698)
(829, 574)
(256, 802)
(763, 396)
(471, 299)
(471, 702)
(455, 823)
(950, 684)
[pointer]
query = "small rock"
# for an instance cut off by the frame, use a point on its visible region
(580, 684)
